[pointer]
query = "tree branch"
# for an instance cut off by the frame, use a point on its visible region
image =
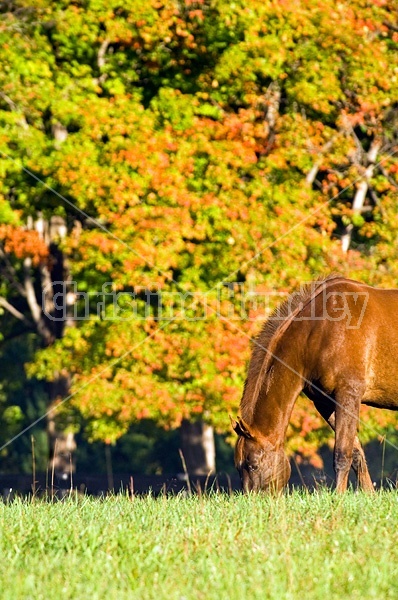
(387, 176)
(10, 273)
(15, 312)
(311, 175)
(14, 108)
(101, 60)
(376, 201)
(271, 104)
(390, 25)
(35, 308)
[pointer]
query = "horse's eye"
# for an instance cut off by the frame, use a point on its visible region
(252, 467)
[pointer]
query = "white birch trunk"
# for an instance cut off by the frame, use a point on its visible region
(362, 189)
(198, 448)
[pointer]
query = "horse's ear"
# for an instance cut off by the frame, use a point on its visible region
(241, 428)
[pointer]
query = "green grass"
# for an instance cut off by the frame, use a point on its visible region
(302, 546)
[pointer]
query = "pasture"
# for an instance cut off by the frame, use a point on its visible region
(217, 546)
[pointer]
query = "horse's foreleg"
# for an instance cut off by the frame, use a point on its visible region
(346, 426)
(358, 456)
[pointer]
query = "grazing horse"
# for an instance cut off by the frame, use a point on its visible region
(337, 341)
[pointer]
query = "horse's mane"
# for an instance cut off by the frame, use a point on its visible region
(260, 371)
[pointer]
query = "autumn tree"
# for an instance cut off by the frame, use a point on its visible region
(203, 156)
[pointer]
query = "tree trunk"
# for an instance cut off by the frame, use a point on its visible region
(198, 449)
(362, 189)
(61, 443)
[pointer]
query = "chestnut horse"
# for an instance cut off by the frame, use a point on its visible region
(336, 341)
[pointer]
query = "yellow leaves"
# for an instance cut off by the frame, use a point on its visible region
(177, 154)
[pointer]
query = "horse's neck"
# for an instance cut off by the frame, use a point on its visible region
(276, 401)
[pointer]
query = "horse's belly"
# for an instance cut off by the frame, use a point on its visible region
(382, 401)
(381, 370)
(382, 392)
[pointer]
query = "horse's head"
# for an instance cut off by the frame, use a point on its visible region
(261, 466)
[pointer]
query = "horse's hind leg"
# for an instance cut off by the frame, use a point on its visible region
(358, 456)
(361, 468)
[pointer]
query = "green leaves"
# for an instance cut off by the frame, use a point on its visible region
(202, 142)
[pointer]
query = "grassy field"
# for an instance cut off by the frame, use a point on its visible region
(300, 545)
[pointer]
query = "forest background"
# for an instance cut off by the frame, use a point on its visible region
(218, 152)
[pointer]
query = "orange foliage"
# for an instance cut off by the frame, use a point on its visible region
(23, 243)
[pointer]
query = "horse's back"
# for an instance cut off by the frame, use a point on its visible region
(354, 337)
